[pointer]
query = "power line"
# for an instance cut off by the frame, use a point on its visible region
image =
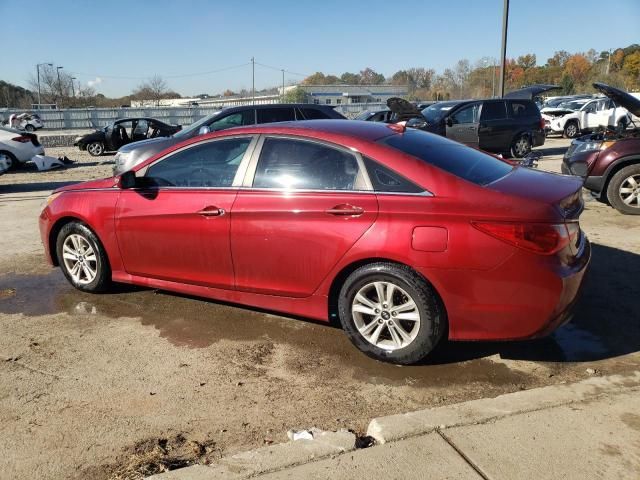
(183, 75)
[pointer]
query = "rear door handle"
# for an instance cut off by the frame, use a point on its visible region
(211, 211)
(344, 209)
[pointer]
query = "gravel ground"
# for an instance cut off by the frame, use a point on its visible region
(130, 383)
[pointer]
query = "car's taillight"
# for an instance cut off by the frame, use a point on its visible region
(21, 139)
(542, 123)
(542, 238)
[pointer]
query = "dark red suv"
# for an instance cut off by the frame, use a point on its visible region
(609, 161)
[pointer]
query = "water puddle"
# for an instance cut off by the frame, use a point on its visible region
(198, 323)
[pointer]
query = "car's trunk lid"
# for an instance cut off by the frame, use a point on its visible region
(562, 192)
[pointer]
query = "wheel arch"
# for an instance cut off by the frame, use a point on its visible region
(341, 276)
(55, 230)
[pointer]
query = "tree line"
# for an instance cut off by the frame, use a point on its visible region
(573, 72)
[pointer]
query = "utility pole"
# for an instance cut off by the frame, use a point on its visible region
(59, 84)
(282, 101)
(609, 62)
(493, 77)
(505, 22)
(73, 88)
(253, 81)
(38, 70)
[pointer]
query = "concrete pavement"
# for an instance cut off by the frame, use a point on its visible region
(589, 429)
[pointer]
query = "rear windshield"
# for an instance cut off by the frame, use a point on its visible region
(463, 162)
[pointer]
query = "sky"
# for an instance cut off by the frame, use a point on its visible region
(205, 46)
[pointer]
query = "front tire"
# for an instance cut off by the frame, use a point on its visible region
(82, 258)
(391, 313)
(29, 128)
(623, 191)
(95, 149)
(571, 129)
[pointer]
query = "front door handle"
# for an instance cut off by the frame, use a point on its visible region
(345, 209)
(211, 211)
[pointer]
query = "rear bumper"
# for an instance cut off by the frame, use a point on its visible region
(525, 297)
(538, 138)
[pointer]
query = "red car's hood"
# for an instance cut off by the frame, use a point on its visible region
(548, 188)
(101, 183)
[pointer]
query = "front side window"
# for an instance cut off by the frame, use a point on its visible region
(296, 164)
(237, 119)
(270, 115)
(211, 164)
(468, 114)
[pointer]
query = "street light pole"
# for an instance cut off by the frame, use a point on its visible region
(505, 22)
(38, 70)
(59, 84)
(253, 81)
(282, 101)
(73, 88)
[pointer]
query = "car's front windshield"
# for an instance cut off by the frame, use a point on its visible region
(435, 112)
(364, 115)
(194, 127)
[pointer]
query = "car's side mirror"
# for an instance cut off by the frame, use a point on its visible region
(127, 180)
(204, 130)
(449, 122)
(416, 123)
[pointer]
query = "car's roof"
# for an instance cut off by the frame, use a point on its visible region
(128, 119)
(354, 129)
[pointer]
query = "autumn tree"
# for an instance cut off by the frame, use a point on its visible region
(577, 67)
(368, 76)
(350, 78)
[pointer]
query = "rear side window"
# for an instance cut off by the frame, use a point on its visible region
(238, 119)
(493, 111)
(463, 162)
(313, 114)
(296, 164)
(269, 115)
(523, 109)
(384, 179)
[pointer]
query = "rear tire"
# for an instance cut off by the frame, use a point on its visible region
(29, 128)
(521, 146)
(391, 313)
(571, 129)
(14, 162)
(95, 149)
(623, 191)
(82, 258)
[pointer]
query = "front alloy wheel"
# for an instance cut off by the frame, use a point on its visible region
(623, 191)
(95, 149)
(79, 259)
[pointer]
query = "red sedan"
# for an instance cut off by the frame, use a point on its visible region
(406, 236)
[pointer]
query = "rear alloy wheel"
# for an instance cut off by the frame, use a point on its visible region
(95, 149)
(623, 191)
(82, 258)
(30, 128)
(521, 147)
(391, 313)
(571, 130)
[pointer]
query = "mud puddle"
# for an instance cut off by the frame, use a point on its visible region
(199, 323)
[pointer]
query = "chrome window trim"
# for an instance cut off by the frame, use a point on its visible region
(240, 173)
(364, 192)
(253, 165)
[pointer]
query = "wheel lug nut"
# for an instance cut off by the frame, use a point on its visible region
(377, 310)
(394, 313)
(384, 305)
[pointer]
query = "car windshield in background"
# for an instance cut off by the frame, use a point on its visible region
(364, 115)
(435, 112)
(464, 162)
(186, 132)
(573, 105)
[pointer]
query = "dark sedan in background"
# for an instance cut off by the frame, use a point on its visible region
(132, 155)
(124, 131)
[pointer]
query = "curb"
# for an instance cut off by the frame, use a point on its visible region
(397, 427)
(268, 459)
(421, 422)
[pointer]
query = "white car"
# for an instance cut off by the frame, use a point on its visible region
(25, 121)
(5, 163)
(583, 116)
(19, 147)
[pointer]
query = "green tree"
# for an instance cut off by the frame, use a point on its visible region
(368, 76)
(350, 78)
(567, 84)
(295, 95)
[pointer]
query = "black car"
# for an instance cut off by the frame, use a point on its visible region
(507, 126)
(122, 132)
(133, 154)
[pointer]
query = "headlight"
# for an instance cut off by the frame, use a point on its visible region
(50, 199)
(583, 147)
(121, 158)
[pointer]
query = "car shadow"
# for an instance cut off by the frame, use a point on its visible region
(33, 187)
(549, 151)
(606, 322)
